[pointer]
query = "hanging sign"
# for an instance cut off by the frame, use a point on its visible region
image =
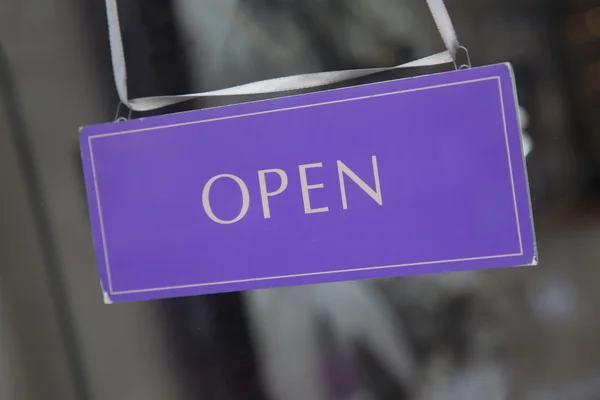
(403, 177)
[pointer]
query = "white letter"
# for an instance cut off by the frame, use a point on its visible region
(306, 187)
(375, 195)
(245, 198)
(264, 195)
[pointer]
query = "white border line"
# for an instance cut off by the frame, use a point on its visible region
(110, 288)
(293, 108)
(510, 166)
(100, 215)
(315, 273)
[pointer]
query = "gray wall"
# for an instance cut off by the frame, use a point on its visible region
(54, 74)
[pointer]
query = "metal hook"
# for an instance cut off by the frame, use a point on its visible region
(117, 119)
(463, 66)
(121, 119)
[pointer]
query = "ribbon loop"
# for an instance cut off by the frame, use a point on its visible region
(288, 83)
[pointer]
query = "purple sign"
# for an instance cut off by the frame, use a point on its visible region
(404, 177)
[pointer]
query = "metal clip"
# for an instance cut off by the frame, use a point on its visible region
(462, 66)
(121, 119)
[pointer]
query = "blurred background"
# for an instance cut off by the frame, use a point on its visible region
(521, 333)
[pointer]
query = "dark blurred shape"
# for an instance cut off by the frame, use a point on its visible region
(455, 326)
(210, 343)
(21, 139)
(577, 38)
(382, 385)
